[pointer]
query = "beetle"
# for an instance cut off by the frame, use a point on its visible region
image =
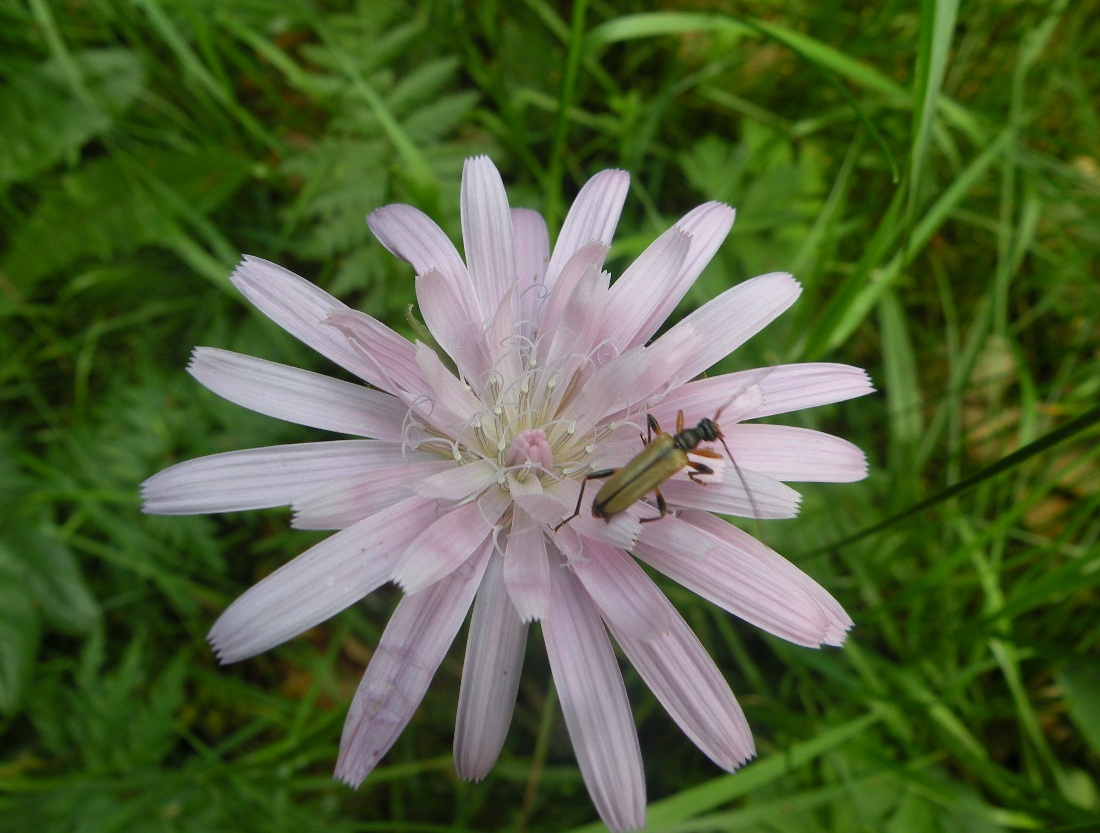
(663, 456)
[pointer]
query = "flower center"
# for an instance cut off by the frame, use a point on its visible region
(524, 428)
(530, 449)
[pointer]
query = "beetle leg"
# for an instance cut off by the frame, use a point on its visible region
(595, 475)
(705, 452)
(661, 506)
(652, 427)
(699, 468)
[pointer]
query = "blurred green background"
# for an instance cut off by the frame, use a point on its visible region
(930, 174)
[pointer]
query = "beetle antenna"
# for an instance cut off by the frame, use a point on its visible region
(737, 468)
(748, 397)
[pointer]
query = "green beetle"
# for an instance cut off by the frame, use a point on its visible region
(663, 456)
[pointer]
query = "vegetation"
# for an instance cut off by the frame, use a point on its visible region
(929, 173)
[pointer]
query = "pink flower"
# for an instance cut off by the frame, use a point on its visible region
(474, 450)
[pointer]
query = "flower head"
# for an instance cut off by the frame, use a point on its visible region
(473, 452)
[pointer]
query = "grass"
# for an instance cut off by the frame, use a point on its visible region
(930, 175)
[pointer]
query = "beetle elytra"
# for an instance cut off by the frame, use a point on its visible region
(662, 457)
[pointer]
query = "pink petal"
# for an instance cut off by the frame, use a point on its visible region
(450, 406)
(744, 493)
(296, 305)
(784, 388)
(377, 354)
(416, 239)
(447, 544)
(800, 454)
(706, 227)
(838, 620)
(341, 503)
(621, 531)
(527, 568)
(258, 478)
(532, 244)
(741, 404)
(572, 319)
(558, 503)
(487, 233)
(739, 575)
(593, 699)
(593, 216)
(578, 275)
(412, 647)
(680, 672)
(490, 676)
(446, 316)
(665, 365)
(731, 319)
(640, 290)
(298, 396)
(608, 389)
(621, 445)
(319, 583)
(457, 483)
(622, 591)
(504, 344)
(547, 507)
(651, 287)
